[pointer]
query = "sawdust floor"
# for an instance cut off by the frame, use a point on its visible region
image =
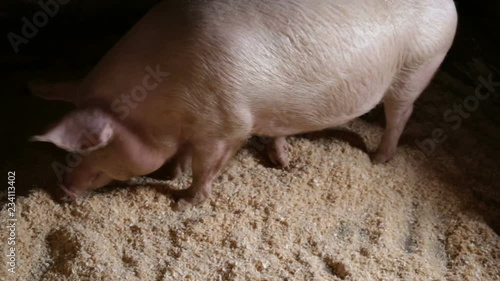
(331, 216)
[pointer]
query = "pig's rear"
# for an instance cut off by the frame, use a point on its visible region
(312, 64)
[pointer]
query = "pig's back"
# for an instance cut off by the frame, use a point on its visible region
(310, 63)
(307, 65)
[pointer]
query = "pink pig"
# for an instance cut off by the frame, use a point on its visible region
(197, 78)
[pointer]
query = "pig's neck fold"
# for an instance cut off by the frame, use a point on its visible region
(139, 151)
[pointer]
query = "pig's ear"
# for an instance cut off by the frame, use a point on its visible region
(81, 131)
(65, 91)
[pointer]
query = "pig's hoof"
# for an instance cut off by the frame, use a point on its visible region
(279, 159)
(277, 152)
(381, 158)
(185, 198)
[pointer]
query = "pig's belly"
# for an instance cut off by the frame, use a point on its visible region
(305, 117)
(291, 125)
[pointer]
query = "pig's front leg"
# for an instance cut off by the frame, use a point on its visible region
(208, 160)
(181, 163)
(277, 151)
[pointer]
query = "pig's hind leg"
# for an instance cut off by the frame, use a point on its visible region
(209, 158)
(277, 151)
(398, 105)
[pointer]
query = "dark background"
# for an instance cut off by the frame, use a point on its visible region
(82, 31)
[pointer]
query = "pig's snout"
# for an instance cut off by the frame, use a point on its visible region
(79, 182)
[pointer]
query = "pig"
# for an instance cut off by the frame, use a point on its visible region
(195, 79)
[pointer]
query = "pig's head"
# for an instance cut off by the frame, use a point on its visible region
(100, 150)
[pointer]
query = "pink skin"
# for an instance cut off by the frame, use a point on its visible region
(98, 137)
(398, 111)
(83, 178)
(185, 82)
(277, 152)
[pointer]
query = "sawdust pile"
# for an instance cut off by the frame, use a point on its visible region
(331, 216)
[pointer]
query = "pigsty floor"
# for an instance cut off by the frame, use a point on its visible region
(331, 216)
